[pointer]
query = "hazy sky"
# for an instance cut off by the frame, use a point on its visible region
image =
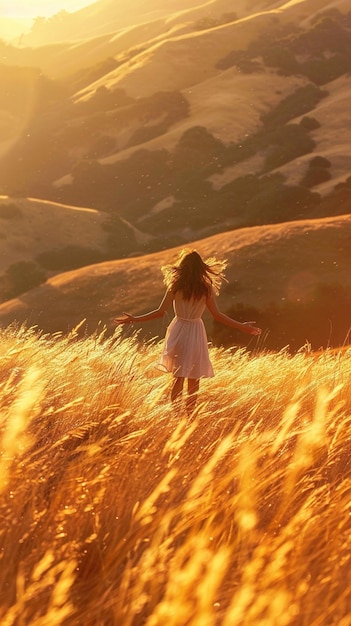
(42, 8)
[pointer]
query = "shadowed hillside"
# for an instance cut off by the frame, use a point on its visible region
(293, 279)
(187, 133)
(40, 238)
(185, 121)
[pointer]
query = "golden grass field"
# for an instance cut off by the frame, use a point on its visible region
(118, 510)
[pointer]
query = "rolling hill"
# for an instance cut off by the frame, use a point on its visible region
(40, 238)
(274, 273)
(158, 112)
(29, 227)
(173, 123)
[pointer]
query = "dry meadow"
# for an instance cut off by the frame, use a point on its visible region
(119, 510)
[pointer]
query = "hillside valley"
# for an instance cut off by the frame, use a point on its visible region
(293, 279)
(126, 134)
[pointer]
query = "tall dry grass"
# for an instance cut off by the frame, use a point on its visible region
(116, 509)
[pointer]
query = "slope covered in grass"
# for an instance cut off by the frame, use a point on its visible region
(29, 227)
(274, 272)
(177, 102)
(119, 509)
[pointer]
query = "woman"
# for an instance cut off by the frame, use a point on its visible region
(192, 285)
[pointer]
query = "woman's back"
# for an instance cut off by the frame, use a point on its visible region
(188, 309)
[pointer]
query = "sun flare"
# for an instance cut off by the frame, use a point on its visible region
(26, 9)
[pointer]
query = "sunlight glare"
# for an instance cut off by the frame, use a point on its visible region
(40, 8)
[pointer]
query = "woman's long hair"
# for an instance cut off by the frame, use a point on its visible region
(192, 276)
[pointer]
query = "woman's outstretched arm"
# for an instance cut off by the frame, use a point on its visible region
(245, 327)
(165, 304)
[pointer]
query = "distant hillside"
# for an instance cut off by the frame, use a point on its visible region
(173, 122)
(187, 122)
(292, 278)
(104, 17)
(41, 238)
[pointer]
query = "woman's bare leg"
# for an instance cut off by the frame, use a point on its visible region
(177, 388)
(193, 388)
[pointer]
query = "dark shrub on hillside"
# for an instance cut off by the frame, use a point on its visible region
(344, 185)
(197, 149)
(126, 187)
(103, 100)
(142, 179)
(298, 103)
(256, 49)
(147, 133)
(159, 112)
(240, 60)
(326, 48)
(281, 57)
(319, 161)
(329, 33)
(287, 143)
(315, 176)
(278, 202)
(172, 104)
(199, 138)
(21, 277)
(234, 197)
(168, 106)
(68, 258)
(233, 58)
(309, 123)
(317, 172)
(324, 70)
(337, 202)
(247, 200)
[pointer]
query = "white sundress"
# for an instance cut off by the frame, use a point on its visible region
(185, 351)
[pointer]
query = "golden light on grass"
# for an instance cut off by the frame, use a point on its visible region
(118, 509)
